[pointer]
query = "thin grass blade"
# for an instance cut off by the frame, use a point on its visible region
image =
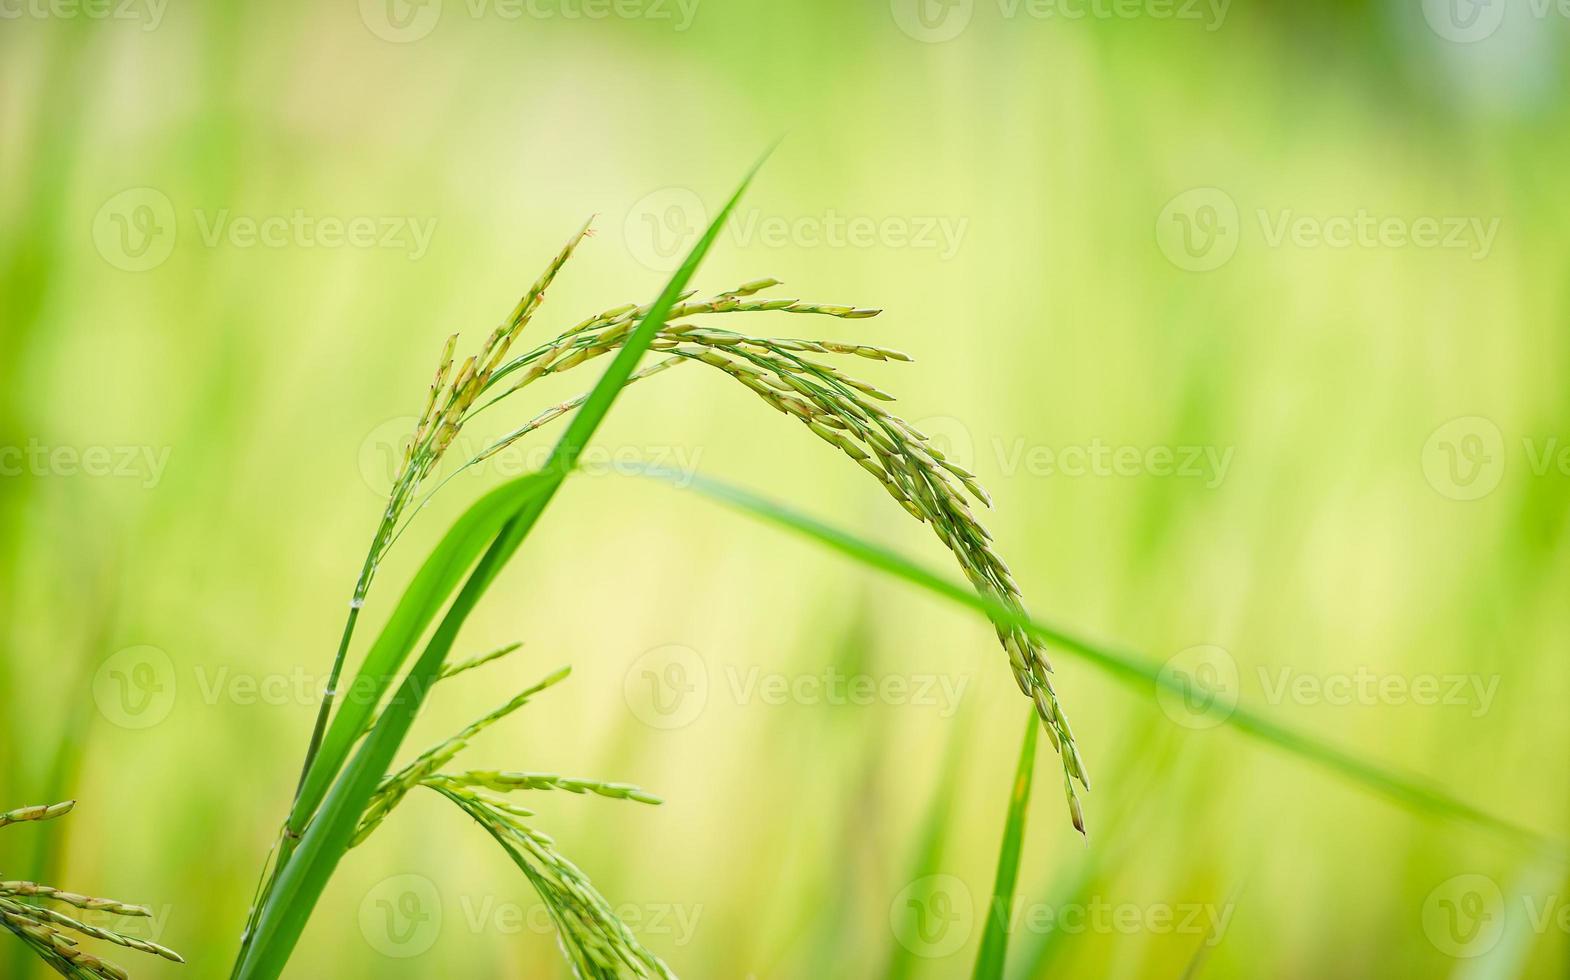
(1131, 669)
(995, 940)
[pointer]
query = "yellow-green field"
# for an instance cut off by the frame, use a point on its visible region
(1253, 320)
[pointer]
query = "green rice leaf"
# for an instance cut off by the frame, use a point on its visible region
(1131, 669)
(995, 940)
(303, 875)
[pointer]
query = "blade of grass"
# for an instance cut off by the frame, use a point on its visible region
(1144, 760)
(303, 875)
(1129, 668)
(995, 940)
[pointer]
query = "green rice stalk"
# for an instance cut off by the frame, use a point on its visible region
(335, 788)
(846, 413)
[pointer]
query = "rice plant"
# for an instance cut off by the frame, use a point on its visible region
(52, 934)
(345, 791)
(348, 787)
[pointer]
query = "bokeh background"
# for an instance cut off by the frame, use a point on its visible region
(1298, 272)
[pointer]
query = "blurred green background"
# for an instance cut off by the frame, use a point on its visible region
(1294, 276)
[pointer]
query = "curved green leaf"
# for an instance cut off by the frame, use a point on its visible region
(303, 875)
(1129, 668)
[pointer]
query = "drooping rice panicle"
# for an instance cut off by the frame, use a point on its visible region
(52, 934)
(592, 937)
(845, 412)
(589, 933)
